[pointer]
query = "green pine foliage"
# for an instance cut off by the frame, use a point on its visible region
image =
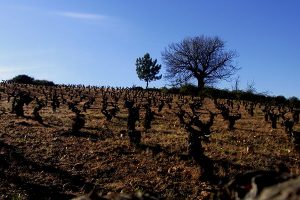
(147, 69)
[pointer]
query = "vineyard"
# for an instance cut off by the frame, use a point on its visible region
(60, 142)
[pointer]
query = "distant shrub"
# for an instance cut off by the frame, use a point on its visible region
(164, 90)
(189, 89)
(294, 102)
(172, 90)
(22, 79)
(25, 79)
(218, 93)
(280, 100)
(136, 88)
(44, 82)
(153, 89)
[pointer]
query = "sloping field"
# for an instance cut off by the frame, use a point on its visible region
(48, 161)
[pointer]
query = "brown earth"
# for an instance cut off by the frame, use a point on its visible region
(49, 162)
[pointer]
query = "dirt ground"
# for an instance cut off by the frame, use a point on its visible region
(48, 162)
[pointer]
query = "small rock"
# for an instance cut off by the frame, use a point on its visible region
(159, 169)
(78, 166)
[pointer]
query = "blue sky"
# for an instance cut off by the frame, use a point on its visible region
(97, 41)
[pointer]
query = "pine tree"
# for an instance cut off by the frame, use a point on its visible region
(147, 69)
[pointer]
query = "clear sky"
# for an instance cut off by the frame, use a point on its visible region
(97, 41)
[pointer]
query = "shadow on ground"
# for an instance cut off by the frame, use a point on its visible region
(37, 189)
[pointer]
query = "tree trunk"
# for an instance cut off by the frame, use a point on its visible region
(200, 85)
(147, 83)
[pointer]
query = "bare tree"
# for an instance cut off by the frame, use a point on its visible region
(202, 58)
